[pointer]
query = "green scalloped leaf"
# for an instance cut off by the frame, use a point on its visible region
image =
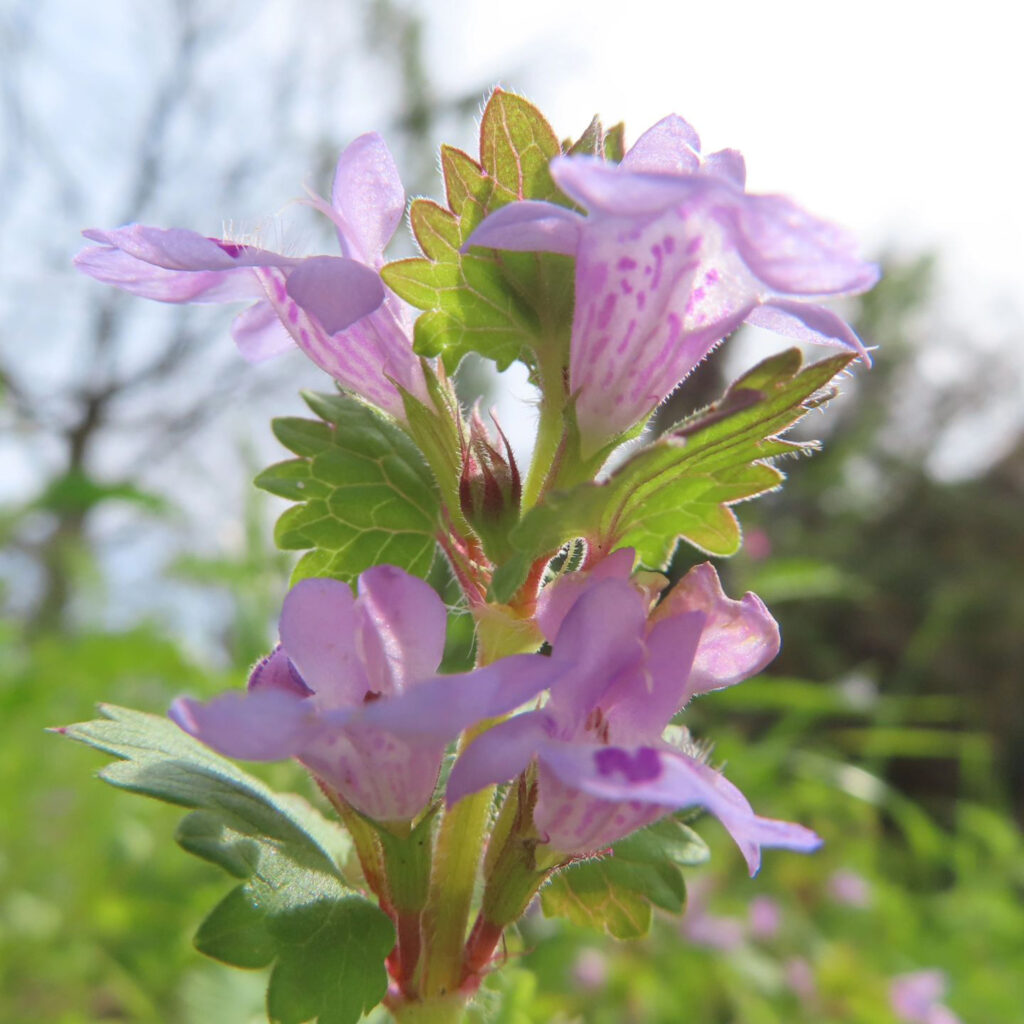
(617, 893)
(615, 143)
(595, 141)
(503, 305)
(590, 143)
(364, 494)
(683, 485)
(295, 908)
(331, 961)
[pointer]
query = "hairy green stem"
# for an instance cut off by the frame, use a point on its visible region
(446, 916)
(445, 1010)
(550, 432)
(365, 840)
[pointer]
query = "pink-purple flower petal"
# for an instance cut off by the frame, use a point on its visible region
(368, 198)
(600, 640)
(319, 631)
(674, 780)
(442, 707)
(499, 755)
(264, 725)
(337, 291)
(259, 333)
(181, 249)
(530, 226)
(672, 146)
(557, 599)
(386, 777)
(366, 357)
(130, 274)
(916, 998)
(739, 638)
(613, 190)
(277, 672)
(727, 164)
(573, 821)
(639, 705)
(806, 322)
(793, 252)
(409, 620)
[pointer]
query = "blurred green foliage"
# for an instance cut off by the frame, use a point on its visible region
(892, 723)
(96, 902)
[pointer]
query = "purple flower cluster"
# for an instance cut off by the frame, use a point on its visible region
(336, 693)
(916, 998)
(351, 692)
(671, 255)
(674, 255)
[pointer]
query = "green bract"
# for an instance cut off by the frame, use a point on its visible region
(683, 484)
(618, 892)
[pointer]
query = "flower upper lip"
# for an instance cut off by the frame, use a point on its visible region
(336, 309)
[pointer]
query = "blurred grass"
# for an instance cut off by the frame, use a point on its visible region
(97, 903)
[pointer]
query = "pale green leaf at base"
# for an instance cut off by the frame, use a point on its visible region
(331, 962)
(159, 760)
(586, 896)
(235, 932)
(295, 908)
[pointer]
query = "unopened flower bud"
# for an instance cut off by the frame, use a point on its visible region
(490, 488)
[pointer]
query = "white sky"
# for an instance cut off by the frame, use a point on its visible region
(901, 120)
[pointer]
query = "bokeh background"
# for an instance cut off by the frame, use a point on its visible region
(136, 560)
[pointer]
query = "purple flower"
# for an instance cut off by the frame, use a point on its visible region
(590, 971)
(557, 599)
(765, 917)
(336, 309)
(603, 768)
(703, 928)
(672, 257)
(800, 978)
(340, 658)
(849, 888)
(916, 998)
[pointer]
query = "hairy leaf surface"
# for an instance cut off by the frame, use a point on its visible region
(617, 892)
(364, 494)
(683, 485)
(295, 908)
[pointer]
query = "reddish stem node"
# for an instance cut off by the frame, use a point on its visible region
(480, 946)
